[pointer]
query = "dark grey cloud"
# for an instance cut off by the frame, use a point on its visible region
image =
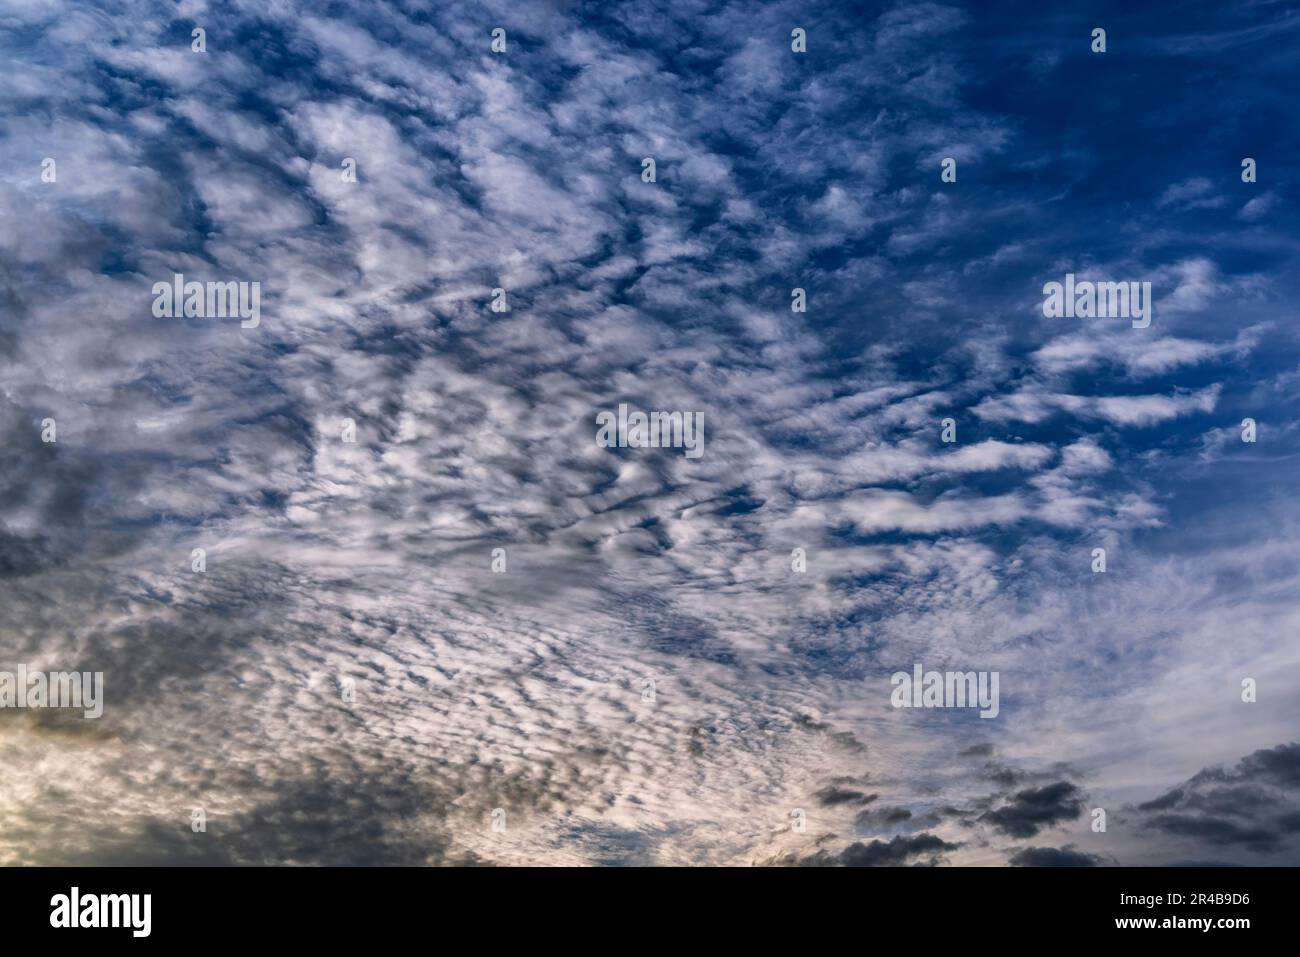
(361, 821)
(1253, 805)
(831, 796)
(1068, 856)
(1165, 801)
(917, 850)
(1031, 810)
(1279, 766)
(1216, 830)
(883, 817)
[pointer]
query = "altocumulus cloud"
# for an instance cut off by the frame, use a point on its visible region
(647, 678)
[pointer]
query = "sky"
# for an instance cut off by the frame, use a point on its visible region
(434, 621)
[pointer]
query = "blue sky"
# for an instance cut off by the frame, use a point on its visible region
(649, 681)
